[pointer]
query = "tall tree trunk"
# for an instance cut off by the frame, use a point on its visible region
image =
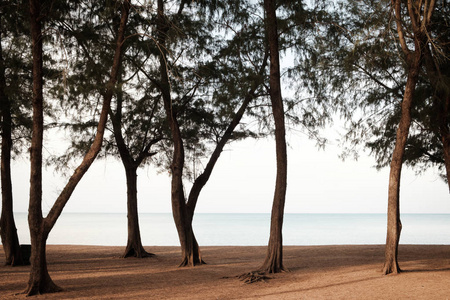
(40, 281)
(8, 230)
(420, 18)
(394, 225)
(134, 244)
(190, 252)
(274, 258)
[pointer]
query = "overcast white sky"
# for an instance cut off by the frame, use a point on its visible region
(243, 182)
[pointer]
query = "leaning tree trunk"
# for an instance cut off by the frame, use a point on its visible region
(201, 180)
(420, 18)
(274, 258)
(191, 255)
(8, 230)
(40, 281)
(394, 225)
(134, 244)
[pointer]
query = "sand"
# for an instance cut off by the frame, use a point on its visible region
(316, 272)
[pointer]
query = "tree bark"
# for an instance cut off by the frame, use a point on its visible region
(394, 224)
(414, 62)
(190, 251)
(274, 258)
(134, 244)
(8, 230)
(40, 281)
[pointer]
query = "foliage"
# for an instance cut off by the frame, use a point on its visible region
(357, 65)
(16, 66)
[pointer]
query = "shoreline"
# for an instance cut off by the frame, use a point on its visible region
(333, 271)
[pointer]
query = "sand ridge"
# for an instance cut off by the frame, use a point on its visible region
(316, 272)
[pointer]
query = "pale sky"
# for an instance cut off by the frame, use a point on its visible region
(243, 182)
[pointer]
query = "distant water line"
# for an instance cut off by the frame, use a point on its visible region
(158, 229)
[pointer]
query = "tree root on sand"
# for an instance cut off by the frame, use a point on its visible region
(252, 277)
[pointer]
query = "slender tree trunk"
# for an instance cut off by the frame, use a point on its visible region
(8, 230)
(274, 258)
(40, 281)
(201, 180)
(394, 225)
(134, 244)
(190, 252)
(420, 18)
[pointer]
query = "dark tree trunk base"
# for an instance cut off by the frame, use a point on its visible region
(192, 262)
(272, 269)
(140, 253)
(16, 259)
(391, 267)
(42, 287)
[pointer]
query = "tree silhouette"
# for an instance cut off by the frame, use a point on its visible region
(40, 281)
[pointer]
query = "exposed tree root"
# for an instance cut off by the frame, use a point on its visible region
(273, 268)
(391, 268)
(252, 277)
(40, 288)
(131, 252)
(187, 262)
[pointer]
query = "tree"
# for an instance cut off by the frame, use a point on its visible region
(274, 258)
(14, 120)
(40, 281)
(134, 245)
(437, 69)
(136, 124)
(418, 17)
(190, 251)
(10, 240)
(357, 60)
(208, 120)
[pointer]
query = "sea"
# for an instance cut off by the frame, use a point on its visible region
(230, 229)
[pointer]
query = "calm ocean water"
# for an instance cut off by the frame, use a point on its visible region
(243, 229)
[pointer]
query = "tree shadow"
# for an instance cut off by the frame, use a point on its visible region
(427, 270)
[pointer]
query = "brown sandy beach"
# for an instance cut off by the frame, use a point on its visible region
(316, 272)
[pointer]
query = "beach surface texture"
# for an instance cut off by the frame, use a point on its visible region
(315, 272)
